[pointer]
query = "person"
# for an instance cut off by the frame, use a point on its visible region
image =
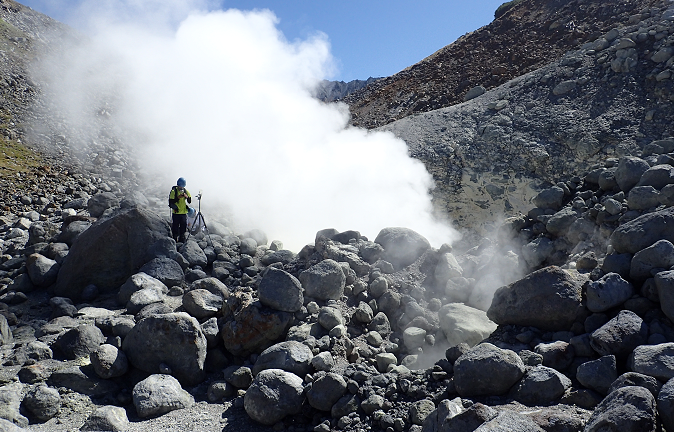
(179, 197)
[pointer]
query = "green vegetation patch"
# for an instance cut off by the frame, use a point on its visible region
(15, 157)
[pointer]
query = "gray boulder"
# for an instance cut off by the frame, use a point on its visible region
(10, 402)
(450, 415)
(363, 313)
(643, 197)
(537, 251)
(72, 231)
(510, 421)
(166, 270)
(99, 203)
(461, 323)
(280, 290)
(557, 355)
(144, 297)
(664, 283)
(629, 172)
(212, 285)
(82, 379)
(550, 198)
(273, 395)
(628, 409)
(420, 410)
(380, 324)
(42, 402)
(326, 391)
(561, 221)
(137, 282)
(402, 246)
(109, 252)
(201, 303)
(657, 176)
(249, 328)
(324, 281)
(329, 317)
(541, 385)
(42, 270)
(621, 335)
(173, 339)
(639, 233)
(109, 362)
(659, 255)
(6, 337)
(108, 418)
(447, 268)
(549, 298)
(238, 376)
(193, 253)
(653, 360)
(608, 292)
(636, 379)
(598, 375)
(159, 394)
(79, 341)
(291, 356)
(665, 403)
(487, 370)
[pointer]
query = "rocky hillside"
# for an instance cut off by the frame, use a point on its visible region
(561, 319)
(610, 98)
(329, 91)
(528, 36)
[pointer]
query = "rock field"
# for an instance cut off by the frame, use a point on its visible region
(558, 317)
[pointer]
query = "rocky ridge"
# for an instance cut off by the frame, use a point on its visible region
(529, 35)
(491, 155)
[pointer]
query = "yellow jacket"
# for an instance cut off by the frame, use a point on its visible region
(178, 200)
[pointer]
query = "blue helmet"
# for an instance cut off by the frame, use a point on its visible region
(182, 182)
(191, 212)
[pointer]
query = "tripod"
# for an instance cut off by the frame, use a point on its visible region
(198, 222)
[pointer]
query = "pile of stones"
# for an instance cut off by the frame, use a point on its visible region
(349, 333)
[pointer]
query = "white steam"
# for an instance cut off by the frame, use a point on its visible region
(224, 100)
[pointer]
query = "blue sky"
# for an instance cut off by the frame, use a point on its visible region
(368, 38)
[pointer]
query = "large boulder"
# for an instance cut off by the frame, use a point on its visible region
(642, 232)
(666, 405)
(175, 340)
(550, 299)
(629, 172)
(653, 360)
(110, 251)
(541, 385)
(326, 391)
(164, 269)
(79, 341)
(461, 323)
(664, 282)
(248, 328)
(280, 290)
(99, 203)
(42, 270)
(290, 356)
(608, 292)
(324, 281)
(628, 409)
(137, 282)
(402, 246)
(107, 418)
(487, 370)
(273, 395)
(159, 394)
(620, 335)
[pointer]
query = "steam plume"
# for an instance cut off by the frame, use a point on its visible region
(224, 100)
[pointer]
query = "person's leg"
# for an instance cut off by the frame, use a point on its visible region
(175, 227)
(182, 227)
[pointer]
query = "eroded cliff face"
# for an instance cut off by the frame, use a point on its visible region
(527, 37)
(489, 156)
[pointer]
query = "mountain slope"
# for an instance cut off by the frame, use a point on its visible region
(489, 156)
(530, 35)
